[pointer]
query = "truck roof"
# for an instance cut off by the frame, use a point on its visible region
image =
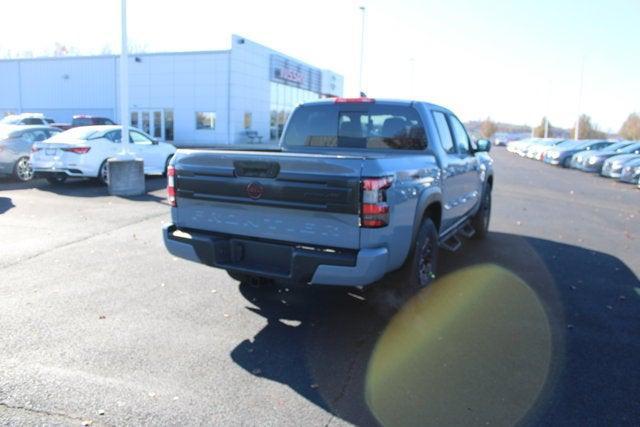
(384, 101)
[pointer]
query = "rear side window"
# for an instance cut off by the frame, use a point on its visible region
(82, 121)
(446, 140)
(357, 126)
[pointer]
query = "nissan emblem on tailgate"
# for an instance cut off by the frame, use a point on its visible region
(255, 190)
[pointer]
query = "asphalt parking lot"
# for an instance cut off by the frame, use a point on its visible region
(100, 324)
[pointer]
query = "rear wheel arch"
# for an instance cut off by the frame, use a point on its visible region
(429, 206)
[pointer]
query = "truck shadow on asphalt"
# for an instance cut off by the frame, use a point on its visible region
(88, 188)
(5, 204)
(318, 342)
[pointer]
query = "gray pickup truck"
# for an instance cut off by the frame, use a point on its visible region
(357, 188)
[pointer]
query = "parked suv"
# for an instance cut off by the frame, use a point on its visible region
(357, 188)
(83, 120)
(26, 119)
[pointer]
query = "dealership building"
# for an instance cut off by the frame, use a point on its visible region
(240, 95)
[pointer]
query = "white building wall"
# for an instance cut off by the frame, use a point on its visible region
(228, 83)
(250, 90)
(186, 83)
(9, 87)
(59, 87)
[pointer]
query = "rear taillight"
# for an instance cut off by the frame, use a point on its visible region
(171, 185)
(374, 211)
(77, 150)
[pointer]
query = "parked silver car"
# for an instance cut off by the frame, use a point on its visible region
(15, 147)
(631, 172)
(612, 167)
(592, 161)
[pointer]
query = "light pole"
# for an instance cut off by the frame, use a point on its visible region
(546, 116)
(124, 81)
(412, 67)
(125, 173)
(577, 131)
(362, 8)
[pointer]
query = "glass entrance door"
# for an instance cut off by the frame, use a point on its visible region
(156, 122)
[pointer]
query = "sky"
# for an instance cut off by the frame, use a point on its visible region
(512, 60)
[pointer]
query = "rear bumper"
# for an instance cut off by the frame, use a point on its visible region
(284, 262)
(79, 168)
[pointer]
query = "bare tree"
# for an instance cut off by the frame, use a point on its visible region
(631, 127)
(588, 130)
(538, 131)
(488, 127)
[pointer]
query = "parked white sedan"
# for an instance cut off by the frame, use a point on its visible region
(84, 151)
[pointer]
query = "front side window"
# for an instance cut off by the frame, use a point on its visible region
(459, 135)
(33, 121)
(358, 126)
(446, 140)
(205, 120)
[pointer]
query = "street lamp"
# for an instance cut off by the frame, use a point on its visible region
(124, 81)
(362, 8)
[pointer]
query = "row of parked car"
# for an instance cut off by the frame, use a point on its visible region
(612, 159)
(29, 150)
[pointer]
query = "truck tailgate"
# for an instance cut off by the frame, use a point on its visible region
(304, 198)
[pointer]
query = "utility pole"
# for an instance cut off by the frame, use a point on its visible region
(362, 8)
(546, 116)
(577, 132)
(124, 80)
(412, 67)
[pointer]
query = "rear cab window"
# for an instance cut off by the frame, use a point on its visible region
(368, 126)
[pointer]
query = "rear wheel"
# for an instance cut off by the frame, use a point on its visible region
(103, 174)
(56, 178)
(419, 269)
(22, 170)
(480, 221)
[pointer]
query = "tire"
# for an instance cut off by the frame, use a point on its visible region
(56, 178)
(22, 170)
(480, 221)
(103, 174)
(419, 270)
(566, 163)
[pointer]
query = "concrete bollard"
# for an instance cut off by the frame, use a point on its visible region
(126, 177)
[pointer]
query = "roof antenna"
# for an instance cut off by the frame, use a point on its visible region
(363, 95)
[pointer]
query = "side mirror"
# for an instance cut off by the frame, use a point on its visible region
(155, 141)
(483, 145)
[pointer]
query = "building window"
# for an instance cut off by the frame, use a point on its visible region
(284, 99)
(247, 120)
(134, 119)
(205, 120)
(157, 124)
(168, 125)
